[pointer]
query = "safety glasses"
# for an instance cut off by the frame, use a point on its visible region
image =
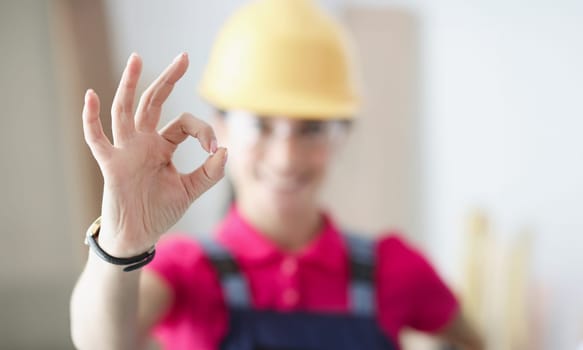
(249, 130)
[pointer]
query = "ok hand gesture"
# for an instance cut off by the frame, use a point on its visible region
(143, 192)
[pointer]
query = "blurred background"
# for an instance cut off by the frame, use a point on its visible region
(469, 142)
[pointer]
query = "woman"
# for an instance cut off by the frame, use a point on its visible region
(280, 274)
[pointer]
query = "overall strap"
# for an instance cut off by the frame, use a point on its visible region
(233, 283)
(361, 255)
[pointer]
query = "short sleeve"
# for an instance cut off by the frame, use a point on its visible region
(177, 257)
(411, 292)
(197, 316)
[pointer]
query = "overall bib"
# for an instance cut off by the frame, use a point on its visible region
(251, 329)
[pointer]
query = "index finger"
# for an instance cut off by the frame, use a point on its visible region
(123, 102)
(150, 106)
(187, 125)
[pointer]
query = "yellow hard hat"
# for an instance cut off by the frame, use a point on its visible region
(282, 57)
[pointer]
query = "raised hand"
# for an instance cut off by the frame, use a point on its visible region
(143, 192)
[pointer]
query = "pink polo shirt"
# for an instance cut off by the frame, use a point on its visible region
(409, 292)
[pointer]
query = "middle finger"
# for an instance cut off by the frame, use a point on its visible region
(123, 103)
(150, 106)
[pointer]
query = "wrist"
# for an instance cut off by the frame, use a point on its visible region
(115, 246)
(115, 254)
(120, 240)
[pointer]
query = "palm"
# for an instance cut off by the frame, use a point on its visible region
(142, 174)
(144, 194)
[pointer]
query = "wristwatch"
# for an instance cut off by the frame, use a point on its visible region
(131, 263)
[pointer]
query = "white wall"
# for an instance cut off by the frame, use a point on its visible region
(504, 115)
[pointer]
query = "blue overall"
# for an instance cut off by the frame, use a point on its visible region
(251, 329)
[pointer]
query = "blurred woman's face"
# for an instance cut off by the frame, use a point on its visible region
(278, 163)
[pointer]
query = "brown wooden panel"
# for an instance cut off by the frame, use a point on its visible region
(375, 184)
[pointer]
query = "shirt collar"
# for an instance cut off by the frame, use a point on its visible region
(252, 247)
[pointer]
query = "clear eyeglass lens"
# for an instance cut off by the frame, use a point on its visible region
(260, 131)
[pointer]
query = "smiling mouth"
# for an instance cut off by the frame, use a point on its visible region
(283, 185)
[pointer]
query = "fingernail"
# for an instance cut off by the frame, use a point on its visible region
(132, 56)
(214, 146)
(87, 93)
(179, 57)
(226, 156)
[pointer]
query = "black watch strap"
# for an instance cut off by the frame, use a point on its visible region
(130, 263)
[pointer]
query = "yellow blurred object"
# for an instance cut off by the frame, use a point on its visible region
(282, 57)
(495, 285)
(516, 304)
(476, 263)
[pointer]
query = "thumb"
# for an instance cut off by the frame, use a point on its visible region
(205, 176)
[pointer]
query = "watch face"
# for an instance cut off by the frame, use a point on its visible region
(93, 229)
